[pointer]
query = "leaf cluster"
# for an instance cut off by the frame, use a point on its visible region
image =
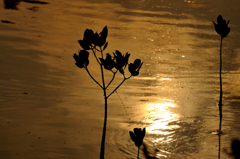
(117, 61)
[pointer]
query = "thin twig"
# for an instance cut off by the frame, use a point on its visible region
(95, 55)
(102, 72)
(114, 73)
(92, 77)
(101, 51)
(117, 87)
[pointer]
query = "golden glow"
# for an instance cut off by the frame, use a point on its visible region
(154, 78)
(161, 118)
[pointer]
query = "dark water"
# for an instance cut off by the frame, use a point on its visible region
(176, 94)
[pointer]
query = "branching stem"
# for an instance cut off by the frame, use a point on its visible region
(118, 86)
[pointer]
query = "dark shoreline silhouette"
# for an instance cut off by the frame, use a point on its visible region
(12, 4)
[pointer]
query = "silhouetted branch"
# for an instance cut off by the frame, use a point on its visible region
(118, 86)
(95, 56)
(114, 73)
(92, 77)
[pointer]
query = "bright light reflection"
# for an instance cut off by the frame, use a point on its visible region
(158, 77)
(163, 121)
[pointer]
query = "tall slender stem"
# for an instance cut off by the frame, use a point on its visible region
(220, 77)
(219, 146)
(104, 130)
(105, 114)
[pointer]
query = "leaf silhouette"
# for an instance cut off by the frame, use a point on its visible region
(105, 46)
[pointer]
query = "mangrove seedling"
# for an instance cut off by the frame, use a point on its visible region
(118, 62)
(223, 30)
(137, 137)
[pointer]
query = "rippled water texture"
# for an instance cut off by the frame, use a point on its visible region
(176, 94)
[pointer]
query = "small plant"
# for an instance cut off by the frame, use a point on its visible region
(223, 30)
(118, 62)
(137, 137)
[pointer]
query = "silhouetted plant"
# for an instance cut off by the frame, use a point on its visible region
(96, 42)
(137, 137)
(223, 30)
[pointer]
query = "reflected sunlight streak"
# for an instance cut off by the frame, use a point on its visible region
(161, 119)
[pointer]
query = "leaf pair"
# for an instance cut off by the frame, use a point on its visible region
(81, 59)
(121, 61)
(222, 26)
(90, 38)
(137, 136)
(108, 63)
(118, 61)
(135, 67)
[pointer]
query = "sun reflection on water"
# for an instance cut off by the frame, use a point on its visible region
(162, 120)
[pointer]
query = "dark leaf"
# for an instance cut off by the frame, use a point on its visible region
(137, 62)
(81, 59)
(100, 42)
(104, 32)
(135, 67)
(108, 62)
(219, 19)
(133, 137)
(102, 60)
(88, 34)
(121, 71)
(83, 44)
(105, 46)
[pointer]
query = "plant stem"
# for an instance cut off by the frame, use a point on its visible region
(105, 116)
(95, 55)
(219, 146)
(138, 153)
(220, 77)
(104, 130)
